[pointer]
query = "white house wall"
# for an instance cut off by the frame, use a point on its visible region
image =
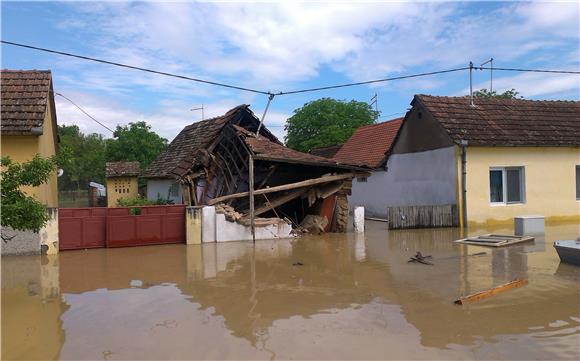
(411, 179)
(161, 187)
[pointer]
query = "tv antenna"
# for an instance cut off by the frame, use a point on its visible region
(490, 62)
(200, 108)
(374, 101)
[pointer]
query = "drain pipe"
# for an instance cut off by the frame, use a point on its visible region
(463, 144)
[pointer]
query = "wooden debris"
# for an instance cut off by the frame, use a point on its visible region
(492, 291)
(494, 240)
(420, 259)
(285, 187)
(377, 219)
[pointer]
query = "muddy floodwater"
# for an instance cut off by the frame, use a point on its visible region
(317, 297)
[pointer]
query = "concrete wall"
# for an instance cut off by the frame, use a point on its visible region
(549, 177)
(161, 187)
(121, 187)
(231, 231)
(411, 179)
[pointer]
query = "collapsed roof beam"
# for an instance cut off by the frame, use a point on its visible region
(285, 187)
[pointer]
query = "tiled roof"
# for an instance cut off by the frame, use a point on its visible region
(121, 169)
(179, 156)
(326, 152)
(265, 149)
(368, 144)
(25, 94)
(506, 122)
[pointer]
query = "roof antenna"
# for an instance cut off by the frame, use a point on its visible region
(471, 83)
(374, 100)
(490, 61)
(270, 97)
(200, 108)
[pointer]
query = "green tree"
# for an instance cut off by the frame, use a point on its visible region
(508, 94)
(19, 210)
(325, 122)
(87, 158)
(135, 142)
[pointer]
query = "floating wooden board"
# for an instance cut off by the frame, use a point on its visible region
(492, 291)
(495, 240)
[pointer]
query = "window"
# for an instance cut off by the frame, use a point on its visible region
(506, 185)
(578, 182)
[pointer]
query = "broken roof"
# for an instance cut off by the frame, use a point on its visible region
(121, 169)
(368, 144)
(327, 152)
(25, 95)
(264, 149)
(506, 122)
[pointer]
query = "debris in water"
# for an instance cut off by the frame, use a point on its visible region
(297, 264)
(492, 291)
(421, 259)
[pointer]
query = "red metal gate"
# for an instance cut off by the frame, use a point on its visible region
(116, 227)
(155, 225)
(82, 227)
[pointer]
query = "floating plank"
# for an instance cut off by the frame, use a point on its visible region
(285, 187)
(494, 240)
(492, 291)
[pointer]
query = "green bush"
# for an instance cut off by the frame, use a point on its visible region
(141, 201)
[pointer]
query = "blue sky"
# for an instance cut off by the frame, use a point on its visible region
(279, 46)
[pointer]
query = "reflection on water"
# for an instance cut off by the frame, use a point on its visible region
(353, 297)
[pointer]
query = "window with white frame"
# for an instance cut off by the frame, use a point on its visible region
(506, 185)
(578, 182)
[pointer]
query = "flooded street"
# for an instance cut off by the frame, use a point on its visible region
(335, 296)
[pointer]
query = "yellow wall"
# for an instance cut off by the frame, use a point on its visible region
(121, 187)
(21, 148)
(549, 177)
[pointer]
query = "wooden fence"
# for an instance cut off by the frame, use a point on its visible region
(423, 216)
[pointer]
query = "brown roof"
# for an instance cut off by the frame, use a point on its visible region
(506, 122)
(368, 144)
(265, 149)
(25, 94)
(121, 169)
(184, 151)
(326, 152)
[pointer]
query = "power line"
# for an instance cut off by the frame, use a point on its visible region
(284, 92)
(87, 114)
(529, 70)
(134, 67)
(372, 81)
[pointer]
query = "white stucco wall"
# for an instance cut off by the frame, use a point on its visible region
(161, 187)
(422, 178)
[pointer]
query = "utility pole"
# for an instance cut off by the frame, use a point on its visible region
(200, 108)
(471, 83)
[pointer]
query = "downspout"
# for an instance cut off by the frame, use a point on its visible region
(463, 144)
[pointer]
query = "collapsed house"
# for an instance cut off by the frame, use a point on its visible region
(211, 162)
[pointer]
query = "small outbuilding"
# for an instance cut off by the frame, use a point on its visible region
(121, 181)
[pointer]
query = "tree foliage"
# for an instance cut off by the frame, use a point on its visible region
(508, 94)
(135, 142)
(325, 122)
(19, 210)
(86, 154)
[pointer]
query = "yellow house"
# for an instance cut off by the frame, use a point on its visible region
(121, 181)
(29, 123)
(493, 159)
